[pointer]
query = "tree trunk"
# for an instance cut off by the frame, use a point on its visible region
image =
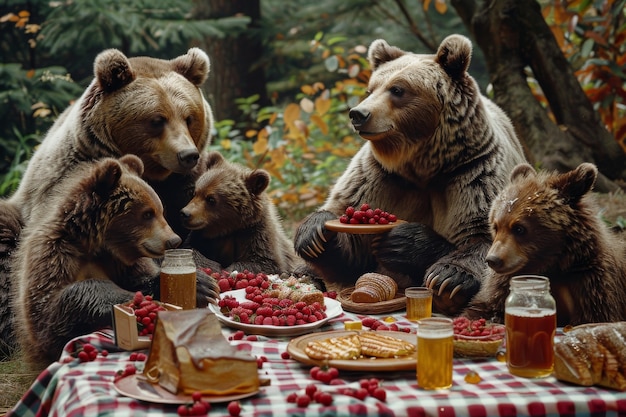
(234, 58)
(514, 37)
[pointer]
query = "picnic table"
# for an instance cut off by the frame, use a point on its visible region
(73, 388)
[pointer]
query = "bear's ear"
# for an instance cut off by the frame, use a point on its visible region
(133, 163)
(380, 52)
(522, 170)
(213, 159)
(106, 177)
(454, 55)
(112, 70)
(194, 66)
(257, 181)
(573, 185)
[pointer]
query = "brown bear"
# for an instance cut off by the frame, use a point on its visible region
(437, 152)
(144, 106)
(90, 250)
(548, 224)
(234, 222)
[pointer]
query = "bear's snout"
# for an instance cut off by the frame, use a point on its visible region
(173, 242)
(188, 158)
(494, 262)
(358, 117)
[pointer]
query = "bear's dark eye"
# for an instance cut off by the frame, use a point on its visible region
(211, 200)
(396, 91)
(148, 215)
(518, 230)
(158, 122)
(189, 120)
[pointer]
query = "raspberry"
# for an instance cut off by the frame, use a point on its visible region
(234, 408)
(292, 397)
(380, 394)
(303, 401)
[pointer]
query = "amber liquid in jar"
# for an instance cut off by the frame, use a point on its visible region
(178, 279)
(530, 342)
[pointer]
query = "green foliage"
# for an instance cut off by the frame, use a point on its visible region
(306, 142)
(36, 36)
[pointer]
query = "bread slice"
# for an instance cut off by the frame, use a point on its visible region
(593, 355)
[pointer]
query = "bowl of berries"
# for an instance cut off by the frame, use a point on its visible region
(477, 338)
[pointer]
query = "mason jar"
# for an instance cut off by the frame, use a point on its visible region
(530, 320)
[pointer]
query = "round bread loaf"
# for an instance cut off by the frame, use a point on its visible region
(374, 288)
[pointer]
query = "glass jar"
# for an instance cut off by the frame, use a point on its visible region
(530, 320)
(178, 278)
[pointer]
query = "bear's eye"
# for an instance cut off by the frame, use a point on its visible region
(189, 120)
(396, 91)
(518, 230)
(211, 200)
(158, 122)
(148, 215)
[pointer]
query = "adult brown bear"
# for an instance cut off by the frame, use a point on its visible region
(437, 154)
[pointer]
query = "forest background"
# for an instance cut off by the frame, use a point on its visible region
(284, 74)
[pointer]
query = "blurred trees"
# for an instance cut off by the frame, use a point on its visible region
(284, 74)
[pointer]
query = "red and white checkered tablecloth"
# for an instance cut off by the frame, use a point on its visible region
(86, 389)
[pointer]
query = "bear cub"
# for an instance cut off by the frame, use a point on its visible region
(91, 250)
(548, 224)
(234, 222)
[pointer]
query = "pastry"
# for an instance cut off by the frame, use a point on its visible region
(188, 353)
(593, 355)
(374, 288)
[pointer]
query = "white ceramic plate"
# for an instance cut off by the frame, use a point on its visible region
(137, 387)
(333, 309)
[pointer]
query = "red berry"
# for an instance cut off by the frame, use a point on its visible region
(182, 410)
(314, 372)
(285, 355)
(380, 394)
(198, 408)
(292, 397)
(310, 390)
(325, 399)
(196, 396)
(234, 408)
(303, 401)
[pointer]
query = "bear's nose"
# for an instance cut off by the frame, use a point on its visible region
(494, 262)
(185, 214)
(358, 117)
(173, 242)
(188, 158)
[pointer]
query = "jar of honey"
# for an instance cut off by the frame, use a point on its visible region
(530, 320)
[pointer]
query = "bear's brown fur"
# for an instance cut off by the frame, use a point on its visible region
(548, 224)
(234, 221)
(144, 106)
(436, 155)
(91, 250)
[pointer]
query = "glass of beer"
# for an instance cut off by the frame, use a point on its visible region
(178, 278)
(530, 320)
(419, 303)
(435, 347)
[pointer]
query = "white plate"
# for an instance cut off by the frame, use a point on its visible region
(333, 309)
(137, 387)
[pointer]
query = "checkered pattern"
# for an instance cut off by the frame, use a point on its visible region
(70, 388)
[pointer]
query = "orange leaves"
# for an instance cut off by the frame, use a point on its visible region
(440, 6)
